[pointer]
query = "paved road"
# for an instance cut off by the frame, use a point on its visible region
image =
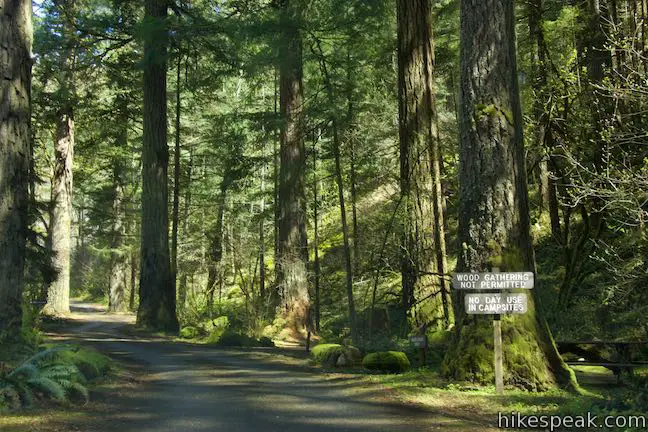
(197, 388)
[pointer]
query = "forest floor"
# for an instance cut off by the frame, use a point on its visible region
(166, 386)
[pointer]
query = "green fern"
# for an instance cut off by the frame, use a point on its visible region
(48, 388)
(24, 371)
(62, 372)
(25, 393)
(75, 388)
(47, 375)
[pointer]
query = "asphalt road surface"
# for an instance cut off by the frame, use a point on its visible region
(184, 387)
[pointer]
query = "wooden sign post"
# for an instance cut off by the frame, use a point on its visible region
(498, 354)
(495, 304)
(420, 342)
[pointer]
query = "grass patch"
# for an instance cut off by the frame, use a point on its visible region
(427, 388)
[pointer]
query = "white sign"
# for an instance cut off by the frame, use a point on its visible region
(492, 304)
(419, 341)
(492, 281)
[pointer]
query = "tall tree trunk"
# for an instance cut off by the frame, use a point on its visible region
(350, 128)
(316, 264)
(216, 266)
(58, 296)
(420, 172)
(275, 295)
(262, 205)
(176, 180)
(292, 262)
(118, 257)
(494, 226)
(133, 277)
(157, 308)
(182, 288)
(15, 136)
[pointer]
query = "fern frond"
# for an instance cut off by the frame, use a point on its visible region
(25, 370)
(60, 371)
(26, 394)
(75, 388)
(49, 355)
(48, 387)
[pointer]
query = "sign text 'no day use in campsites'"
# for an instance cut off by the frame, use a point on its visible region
(492, 281)
(490, 304)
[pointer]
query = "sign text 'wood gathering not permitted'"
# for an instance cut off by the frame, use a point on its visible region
(493, 281)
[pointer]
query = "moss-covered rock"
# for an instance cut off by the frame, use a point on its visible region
(388, 361)
(189, 332)
(232, 339)
(353, 355)
(327, 354)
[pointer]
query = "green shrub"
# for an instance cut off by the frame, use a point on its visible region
(189, 332)
(215, 335)
(389, 361)
(209, 326)
(272, 331)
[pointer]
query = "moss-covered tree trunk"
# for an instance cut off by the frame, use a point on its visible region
(292, 259)
(157, 308)
(423, 238)
(15, 145)
(494, 208)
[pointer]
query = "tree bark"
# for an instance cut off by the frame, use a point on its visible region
(292, 262)
(182, 288)
(157, 308)
(15, 136)
(262, 248)
(316, 264)
(423, 241)
(494, 225)
(215, 267)
(119, 255)
(350, 133)
(118, 258)
(176, 180)
(58, 295)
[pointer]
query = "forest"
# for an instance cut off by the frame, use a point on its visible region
(310, 175)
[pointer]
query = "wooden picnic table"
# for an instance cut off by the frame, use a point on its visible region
(592, 357)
